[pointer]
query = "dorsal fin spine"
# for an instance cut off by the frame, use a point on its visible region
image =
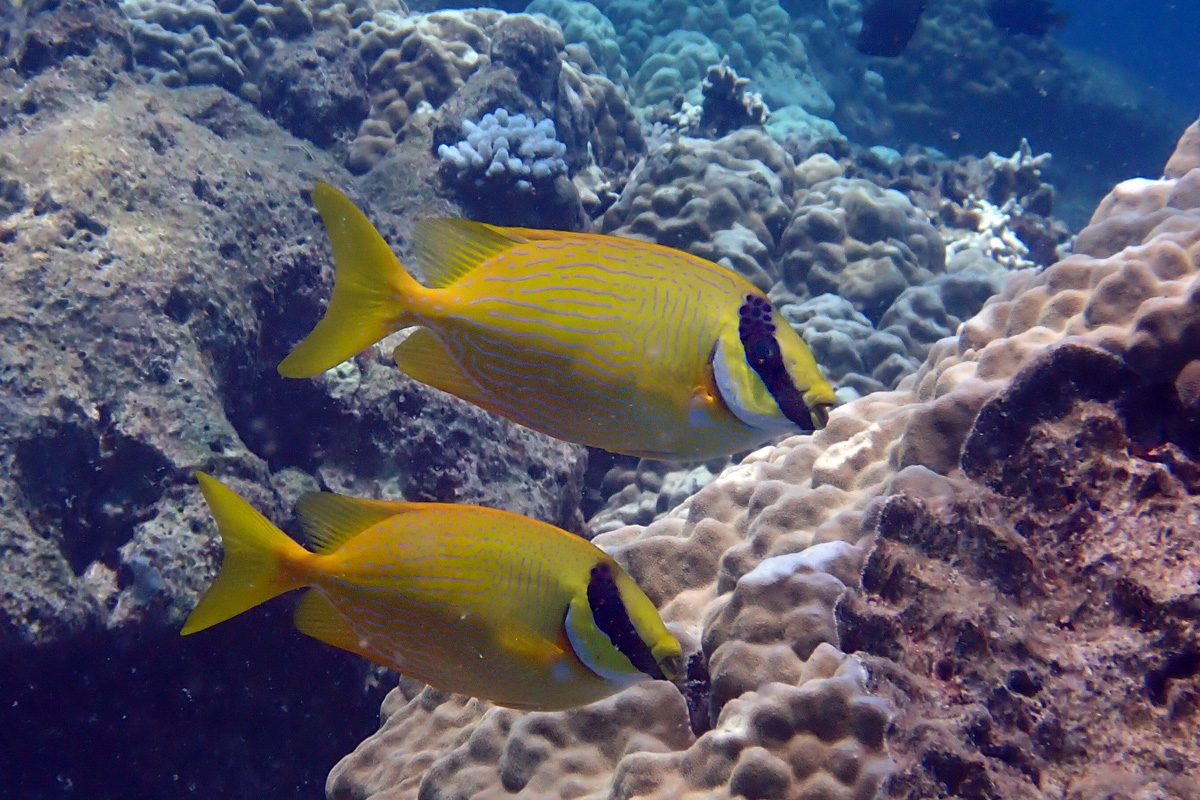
(448, 249)
(330, 520)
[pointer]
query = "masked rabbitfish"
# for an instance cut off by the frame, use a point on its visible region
(627, 346)
(468, 599)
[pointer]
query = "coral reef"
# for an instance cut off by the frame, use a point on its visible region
(414, 61)
(674, 66)
(45, 34)
(1069, 400)
(669, 46)
(353, 76)
(863, 243)
(978, 580)
(530, 73)
(1001, 207)
(153, 405)
(726, 105)
(292, 58)
(1051, 595)
(583, 23)
(723, 200)
(639, 491)
(859, 267)
(965, 86)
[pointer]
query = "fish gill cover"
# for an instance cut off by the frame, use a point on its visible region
(160, 255)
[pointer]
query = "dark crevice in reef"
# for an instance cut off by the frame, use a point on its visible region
(288, 423)
(87, 485)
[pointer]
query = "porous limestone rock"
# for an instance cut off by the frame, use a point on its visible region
(160, 256)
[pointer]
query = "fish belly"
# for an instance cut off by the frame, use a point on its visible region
(464, 652)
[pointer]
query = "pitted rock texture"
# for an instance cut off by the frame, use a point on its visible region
(160, 256)
(1040, 626)
(149, 296)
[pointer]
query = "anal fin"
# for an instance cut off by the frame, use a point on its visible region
(530, 647)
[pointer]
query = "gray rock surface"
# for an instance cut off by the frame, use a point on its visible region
(160, 255)
(163, 258)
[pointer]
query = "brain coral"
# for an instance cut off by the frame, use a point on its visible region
(414, 60)
(753, 566)
(849, 237)
(721, 200)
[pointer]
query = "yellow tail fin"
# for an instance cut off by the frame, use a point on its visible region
(370, 290)
(256, 563)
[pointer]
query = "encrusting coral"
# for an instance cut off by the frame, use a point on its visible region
(754, 566)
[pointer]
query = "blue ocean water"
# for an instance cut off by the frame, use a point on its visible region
(148, 303)
(1155, 41)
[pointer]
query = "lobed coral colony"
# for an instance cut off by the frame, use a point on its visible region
(875, 472)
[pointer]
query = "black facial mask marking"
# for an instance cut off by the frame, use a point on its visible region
(757, 333)
(611, 617)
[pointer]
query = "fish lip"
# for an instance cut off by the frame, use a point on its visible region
(820, 414)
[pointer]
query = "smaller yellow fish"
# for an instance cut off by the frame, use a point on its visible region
(468, 599)
(627, 346)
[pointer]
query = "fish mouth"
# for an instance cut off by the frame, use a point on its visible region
(820, 414)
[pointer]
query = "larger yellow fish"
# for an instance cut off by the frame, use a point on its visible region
(610, 342)
(468, 599)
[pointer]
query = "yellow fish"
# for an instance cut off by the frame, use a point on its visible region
(468, 599)
(631, 347)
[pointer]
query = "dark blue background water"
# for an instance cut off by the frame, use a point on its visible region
(1159, 42)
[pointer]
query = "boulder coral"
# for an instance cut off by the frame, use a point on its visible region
(1043, 452)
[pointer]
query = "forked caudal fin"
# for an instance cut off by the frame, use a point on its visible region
(370, 288)
(255, 566)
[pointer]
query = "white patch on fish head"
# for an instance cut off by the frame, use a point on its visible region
(738, 396)
(582, 652)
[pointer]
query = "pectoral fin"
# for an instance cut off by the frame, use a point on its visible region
(530, 647)
(318, 617)
(423, 357)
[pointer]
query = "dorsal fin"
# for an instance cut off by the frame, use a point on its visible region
(448, 249)
(330, 520)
